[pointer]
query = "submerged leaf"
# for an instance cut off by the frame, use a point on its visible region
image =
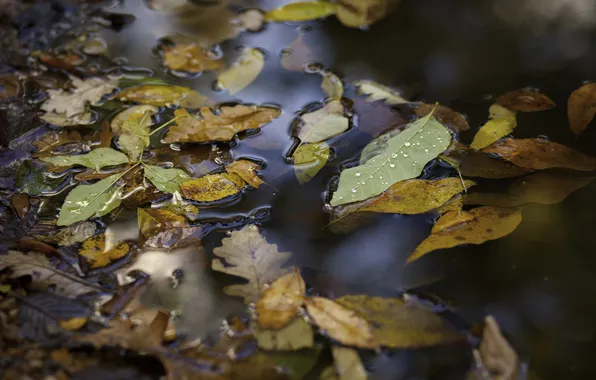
(377, 91)
(212, 187)
(94, 249)
(221, 126)
(280, 302)
(332, 85)
(474, 227)
(362, 13)
(581, 108)
(247, 170)
(324, 123)
(296, 55)
(190, 58)
(243, 72)
(75, 101)
(166, 180)
(347, 363)
(502, 122)
(392, 158)
(152, 221)
(540, 154)
(248, 255)
(296, 335)
(301, 11)
(96, 159)
(525, 100)
(163, 95)
(473, 163)
(132, 126)
(445, 115)
(309, 159)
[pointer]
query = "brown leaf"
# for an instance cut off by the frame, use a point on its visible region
(176, 238)
(448, 117)
(280, 302)
(212, 187)
(50, 141)
(35, 245)
(66, 60)
(137, 191)
(93, 249)
(221, 126)
(340, 323)
(162, 95)
(152, 221)
(20, 204)
(581, 107)
(105, 135)
(191, 58)
(472, 163)
(526, 100)
(90, 174)
(541, 154)
(247, 170)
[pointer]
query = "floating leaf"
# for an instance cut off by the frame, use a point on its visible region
(347, 363)
(49, 142)
(163, 95)
(94, 249)
(222, 126)
(190, 58)
(61, 120)
(340, 323)
(132, 126)
(75, 101)
(251, 19)
(324, 123)
(248, 255)
(243, 72)
(397, 324)
(452, 119)
(377, 91)
(296, 335)
(152, 221)
(166, 180)
(502, 122)
(96, 159)
(301, 11)
(581, 108)
(540, 154)
(471, 163)
(392, 158)
(296, 55)
(525, 100)
(34, 179)
(309, 159)
(362, 13)
(86, 201)
(191, 212)
(212, 187)
(247, 170)
(477, 226)
(280, 302)
(332, 85)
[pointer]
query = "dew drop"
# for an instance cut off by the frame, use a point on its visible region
(358, 174)
(407, 144)
(425, 150)
(354, 190)
(391, 165)
(394, 155)
(405, 155)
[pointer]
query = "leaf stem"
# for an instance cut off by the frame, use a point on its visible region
(165, 125)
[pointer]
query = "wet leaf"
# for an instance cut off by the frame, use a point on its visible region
(454, 204)
(362, 13)
(448, 117)
(163, 95)
(75, 101)
(166, 180)
(243, 72)
(61, 120)
(248, 255)
(347, 363)
(502, 122)
(191, 212)
(247, 170)
(488, 223)
(296, 55)
(340, 323)
(541, 154)
(280, 302)
(50, 141)
(176, 238)
(296, 365)
(301, 11)
(376, 118)
(212, 187)
(138, 191)
(581, 108)
(33, 179)
(152, 221)
(221, 126)
(332, 85)
(86, 201)
(296, 335)
(74, 324)
(525, 100)
(392, 158)
(190, 58)
(324, 123)
(309, 159)
(132, 126)
(377, 91)
(473, 163)
(397, 324)
(20, 204)
(94, 249)
(96, 159)
(71, 235)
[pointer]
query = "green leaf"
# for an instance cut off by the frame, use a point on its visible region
(86, 201)
(376, 91)
(391, 158)
(96, 159)
(301, 11)
(32, 179)
(309, 159)
(133, 125)
(323, 123)
(166, 180)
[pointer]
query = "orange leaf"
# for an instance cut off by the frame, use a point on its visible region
(526, 100)
(581, 107)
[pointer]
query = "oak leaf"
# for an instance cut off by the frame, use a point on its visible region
(74, 102)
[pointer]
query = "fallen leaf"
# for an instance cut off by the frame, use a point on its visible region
(525, 100)
(280, 302)
(132, 127)
(243, 72)
(340, 323)
(376, 118)
(220, 126)
(296, 335)
(540, 154)
(502, 122)
(34, 179)
(391, 158)
(347, 363)
(495, 354)
(190, 212)
(52, 140)
(454, 204)
(471, 163)
(296, 55)
(166, 180)
(67, 60)
(301, 11)
(377, 91)
(332, 85)
(152, 221)
(94, 249)
(70, 235)
(397, 324)
(362, 13)
(27, 245)
(20, 204)
(212, 187)
(190, 58)
(96, 159)
(74, 324)
(162, 95)
(448, 117)
(176, 238)
(488, 223)
(86, 201)
(251, 19)
(75, 101)
(581, 108)
(248, 255)
(324, 123)
(137, 191)
(62, 120)
(309, 159)
(247, 170)
(454, 219)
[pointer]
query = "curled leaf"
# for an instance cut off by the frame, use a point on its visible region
(163, 95)
(294, 336)
(448, 117)
(301, 11)
(243, 72)
(309, 159)
(166, 180)
(96, 159)
(212, 187)
(280, 302)
(152, 221)
(247, 170)
(332, 85)
(581, 108)
(324, 123)
(377, 91)
(94, 249)
(502, 122)
(190, 57)
(525, 100)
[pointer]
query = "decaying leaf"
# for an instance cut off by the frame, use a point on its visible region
(502, 122)
(332, 85)
(495, 355)
(309, 159)
(96, 159)
(74, 324)
(377, 91)
(176, 238)
(243, 72)
(166, 180)
(94, 249)
(212, 187)
(581, 108)
(362, 13)
(280, 302)
(296, 55)
(301, 11)
(248, 255)
(540, 154)
(152, 221)
(469, 227)
(525, 100)
(347, 363)
(61, 120)
(190, 58)
(340, 323)
(50, 142)
(324, 123)
(163, 95)
(70, 235)
(247, 170)
(189, 211)
(391, 158)
(448, 117)
(132, 126)
(296, 335)
(397, 324)
(220, 126)
(471, 163)
(74, 102)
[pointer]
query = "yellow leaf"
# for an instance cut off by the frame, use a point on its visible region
(294, 336)
(132, 126)
(280, 302)
(488, 223)
(212, 187)
(502, 122)
(247, 170)
(243, 72)
(222, 126)
(301, 11)
(152, 221)
(163, 95)
(324, 123)
(190, 57)
(452, 219)
(581, 108)
(362, 13)
(348, 365)
(93, 249)
(309, 159)
(74, 324)
(340, 323)
(454, 204)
